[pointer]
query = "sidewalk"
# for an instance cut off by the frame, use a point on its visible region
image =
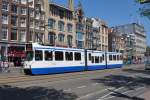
(131, 65)
(12, 70)
(145, 95)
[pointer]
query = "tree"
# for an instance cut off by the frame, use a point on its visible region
(145, 7)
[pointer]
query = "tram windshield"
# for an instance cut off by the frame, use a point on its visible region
(29, 55)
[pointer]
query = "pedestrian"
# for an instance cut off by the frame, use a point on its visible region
(6, 66)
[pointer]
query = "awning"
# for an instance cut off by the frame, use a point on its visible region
(17, 54)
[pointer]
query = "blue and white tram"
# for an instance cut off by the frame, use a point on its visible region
(95, 60)
(114, 60)
(49, 60)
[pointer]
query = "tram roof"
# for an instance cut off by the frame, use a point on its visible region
(39, 46)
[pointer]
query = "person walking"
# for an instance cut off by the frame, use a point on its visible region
(6, 66)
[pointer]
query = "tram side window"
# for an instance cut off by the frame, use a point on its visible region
(121, 57)
(89, 56)
(110, 57)
(38, 55)
(48, 55)
(96, 59)
(117, 57)
(69, 56)
(59, 56)
(92, 59)
(114, 57)
(101, 59)
(77, 56)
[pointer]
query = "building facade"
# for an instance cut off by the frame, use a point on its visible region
(89, 33)
(100, 30)
(116, 42)
(80, 26)
(60, 27)
(135, 40)
(20, 23)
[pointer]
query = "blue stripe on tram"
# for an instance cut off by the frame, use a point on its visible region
(55, 70)
(96, 67)
(114, 66)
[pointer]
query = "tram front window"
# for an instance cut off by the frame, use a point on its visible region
(29, 55)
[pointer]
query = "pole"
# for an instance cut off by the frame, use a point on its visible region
(106, 58)
(28, 21)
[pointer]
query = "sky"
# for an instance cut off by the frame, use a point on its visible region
(114, 12)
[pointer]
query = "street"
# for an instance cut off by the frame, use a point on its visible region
(129, 83)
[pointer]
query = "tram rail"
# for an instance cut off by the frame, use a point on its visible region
(56, 77)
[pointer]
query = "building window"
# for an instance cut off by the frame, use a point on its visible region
(61, 37)
(31, 23)
(16, 1)
(51, 23)
(51, 38)
(14, 20)
(79, 27)
(14, 34)
(31, 12)
(5, 6)
(61, 26)
(80, 36)
(23, 11)
(80, 44)
(37, 24)
(22, 36)
(37, 15)
(24, 1)
(4, 33)
(69, 28)
(69, 40)
(23, 22)
(4, 18)
(39, 37)
(80, 40)
(30, 35)
(14, 8)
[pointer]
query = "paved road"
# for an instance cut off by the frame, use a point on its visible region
(129, 83)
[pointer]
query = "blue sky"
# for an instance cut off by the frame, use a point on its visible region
(114, 12)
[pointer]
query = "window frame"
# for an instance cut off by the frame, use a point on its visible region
(51, 58)
(69, 56)
(60, 57)
(41, 59)
(75, 56)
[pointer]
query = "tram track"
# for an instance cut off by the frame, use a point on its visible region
(56, 77)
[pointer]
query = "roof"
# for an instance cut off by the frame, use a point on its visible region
(60, 6)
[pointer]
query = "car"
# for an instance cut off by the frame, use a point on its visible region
(147, 63)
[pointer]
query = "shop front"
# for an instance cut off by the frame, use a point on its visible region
(16, 54)
(3, 51)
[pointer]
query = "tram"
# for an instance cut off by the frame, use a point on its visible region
(42, 59)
